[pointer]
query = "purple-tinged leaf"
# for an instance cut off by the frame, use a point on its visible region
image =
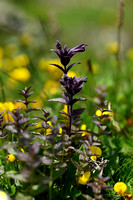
(45, 160)
(61, 100)
(64, 113)
(77, 99)
(77, 112)
(58, 66)
(72, 65)
(96, 122)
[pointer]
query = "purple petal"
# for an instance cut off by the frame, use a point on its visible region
(79, 48)
(58, 45)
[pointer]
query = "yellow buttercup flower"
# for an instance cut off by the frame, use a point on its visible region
(11, 157)
(120, 188)
(39, 127)
(21, 60)
(44, 64)
(72, 74)
(4, 196)
(65, 108)
(38, 104)
(51, 87)
(60, 130)
(84, 178)
(20, 74)
(99, 113)
(7, 106)
(83, 127)
(20, 105)
(49, 130)
(95, 150)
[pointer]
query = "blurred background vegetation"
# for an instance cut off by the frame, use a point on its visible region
(30, 28)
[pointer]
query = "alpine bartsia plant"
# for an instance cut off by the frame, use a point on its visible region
(71, 85)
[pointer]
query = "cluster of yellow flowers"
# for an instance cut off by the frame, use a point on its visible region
(14, 63)
(99, 113)
(48, 130)
(9, 106)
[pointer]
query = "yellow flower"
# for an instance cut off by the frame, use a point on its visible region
(112, 48)
(21, 149)
(83, 127)
(84, 178)
(21, 60)
(20, 105)
(120, 188)
(11, 157)
(65, 108)
(60, 130)
(51, 87)
(38, 104)
(4, 196)
(44, 64)
(7, 106)
(48, 130)
(99, 113)
(72, 74)
(20, 74)
(95, 150)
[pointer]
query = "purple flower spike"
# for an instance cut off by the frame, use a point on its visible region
(66, 54)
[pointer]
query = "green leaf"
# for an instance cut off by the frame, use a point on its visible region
(75, 193)
(13, 190)
(21, 196)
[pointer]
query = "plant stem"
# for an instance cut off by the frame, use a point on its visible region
(2, 90)
(119, 33)
(51, 175)
(120, 23)
(70, 119)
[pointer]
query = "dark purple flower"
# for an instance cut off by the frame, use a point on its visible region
(66, 54)
(72, 85)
